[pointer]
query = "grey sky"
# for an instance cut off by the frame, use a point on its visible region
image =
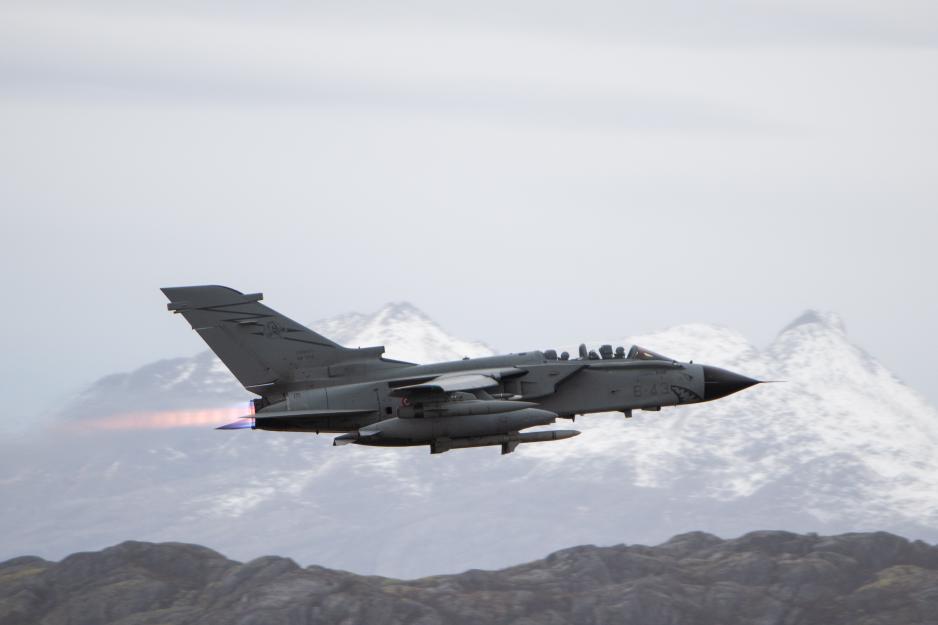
(527, 173)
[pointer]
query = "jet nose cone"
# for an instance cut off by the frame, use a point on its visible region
(720, 382)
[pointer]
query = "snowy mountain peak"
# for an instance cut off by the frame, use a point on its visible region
(394, 312)
(407, 333)
(816, 346)
(813, 320)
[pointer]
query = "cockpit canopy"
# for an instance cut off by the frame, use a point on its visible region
(640, 353)
(607, 353)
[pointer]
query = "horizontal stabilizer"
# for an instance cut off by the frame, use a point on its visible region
(244, 423)
(301, 414)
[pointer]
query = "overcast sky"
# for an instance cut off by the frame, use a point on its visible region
(529, 173)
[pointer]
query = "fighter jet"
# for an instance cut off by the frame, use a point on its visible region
(307, 383)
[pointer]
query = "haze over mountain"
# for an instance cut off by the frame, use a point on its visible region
(842, 445)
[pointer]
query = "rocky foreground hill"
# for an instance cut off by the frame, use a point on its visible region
(765, 578)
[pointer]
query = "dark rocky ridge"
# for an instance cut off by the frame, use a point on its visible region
(765, 578)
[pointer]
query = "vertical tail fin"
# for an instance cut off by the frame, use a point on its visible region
(261, 347)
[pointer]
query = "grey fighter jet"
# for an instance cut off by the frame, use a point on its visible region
(307, 383)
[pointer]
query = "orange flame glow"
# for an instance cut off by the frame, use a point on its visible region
(166, 419)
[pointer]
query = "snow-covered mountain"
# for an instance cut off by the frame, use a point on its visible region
(406, 331)
(202, 381)
(841, 445)
(841, 438)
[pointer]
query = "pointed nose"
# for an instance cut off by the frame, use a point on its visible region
(720, 382)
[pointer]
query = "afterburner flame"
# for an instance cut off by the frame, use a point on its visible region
(167, 419)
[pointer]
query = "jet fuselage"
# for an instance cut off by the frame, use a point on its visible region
(308, 383)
